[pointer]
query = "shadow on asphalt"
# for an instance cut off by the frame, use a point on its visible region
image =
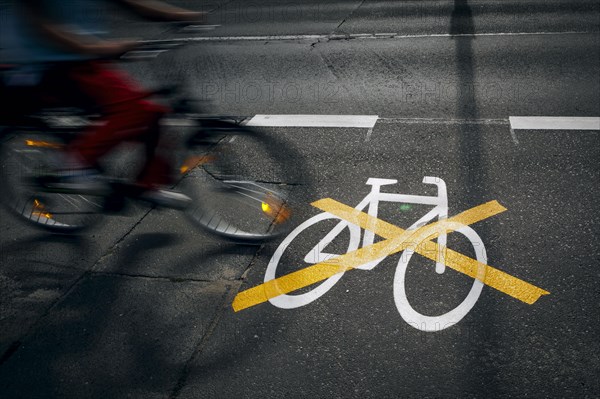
(475, 182)
(116, 333)
(35, 270)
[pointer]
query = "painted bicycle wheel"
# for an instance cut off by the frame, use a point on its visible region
(453, 316)
(279, 260)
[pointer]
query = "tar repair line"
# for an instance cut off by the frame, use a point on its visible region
(397, 240)
(268, 38)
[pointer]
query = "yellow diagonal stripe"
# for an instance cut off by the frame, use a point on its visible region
(398, 240)
(490, 276)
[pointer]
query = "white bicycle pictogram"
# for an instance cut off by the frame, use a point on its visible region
(372, 200)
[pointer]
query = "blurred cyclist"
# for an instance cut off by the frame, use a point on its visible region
(58, 46)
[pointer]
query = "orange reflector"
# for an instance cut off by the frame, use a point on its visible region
(275, 209)
(193, 162)
(43, 144)
(40, 210)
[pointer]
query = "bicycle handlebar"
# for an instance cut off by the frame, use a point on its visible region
(150, 49)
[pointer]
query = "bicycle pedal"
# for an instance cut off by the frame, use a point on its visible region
(115, 204)
(123, 188)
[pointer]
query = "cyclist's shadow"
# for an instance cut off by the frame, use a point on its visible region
(94, 307)
(214, 260)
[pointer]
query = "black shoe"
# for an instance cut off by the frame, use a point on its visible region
(85, 181)
(166, 198)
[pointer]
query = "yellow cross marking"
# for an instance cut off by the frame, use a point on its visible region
(397, 240)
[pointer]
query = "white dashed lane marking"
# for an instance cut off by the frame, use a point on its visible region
(554, 123)
(359, 121)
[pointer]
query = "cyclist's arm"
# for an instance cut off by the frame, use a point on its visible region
(157, 10)
(64, 37)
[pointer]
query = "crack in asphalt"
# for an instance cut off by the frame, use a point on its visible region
(166, 278)
(349, 15)
(227, 297)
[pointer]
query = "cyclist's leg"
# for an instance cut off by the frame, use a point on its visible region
(126, 116)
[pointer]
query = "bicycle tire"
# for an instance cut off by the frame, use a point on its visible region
(26, 154)
(246, 184)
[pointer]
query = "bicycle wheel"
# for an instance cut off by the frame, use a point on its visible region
(245, 183)
(285, 301)
(25, 157)
(448, 319)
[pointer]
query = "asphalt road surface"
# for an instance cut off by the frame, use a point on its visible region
(142, 306)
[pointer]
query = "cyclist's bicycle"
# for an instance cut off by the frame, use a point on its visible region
(372, 201)
(244, 183)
